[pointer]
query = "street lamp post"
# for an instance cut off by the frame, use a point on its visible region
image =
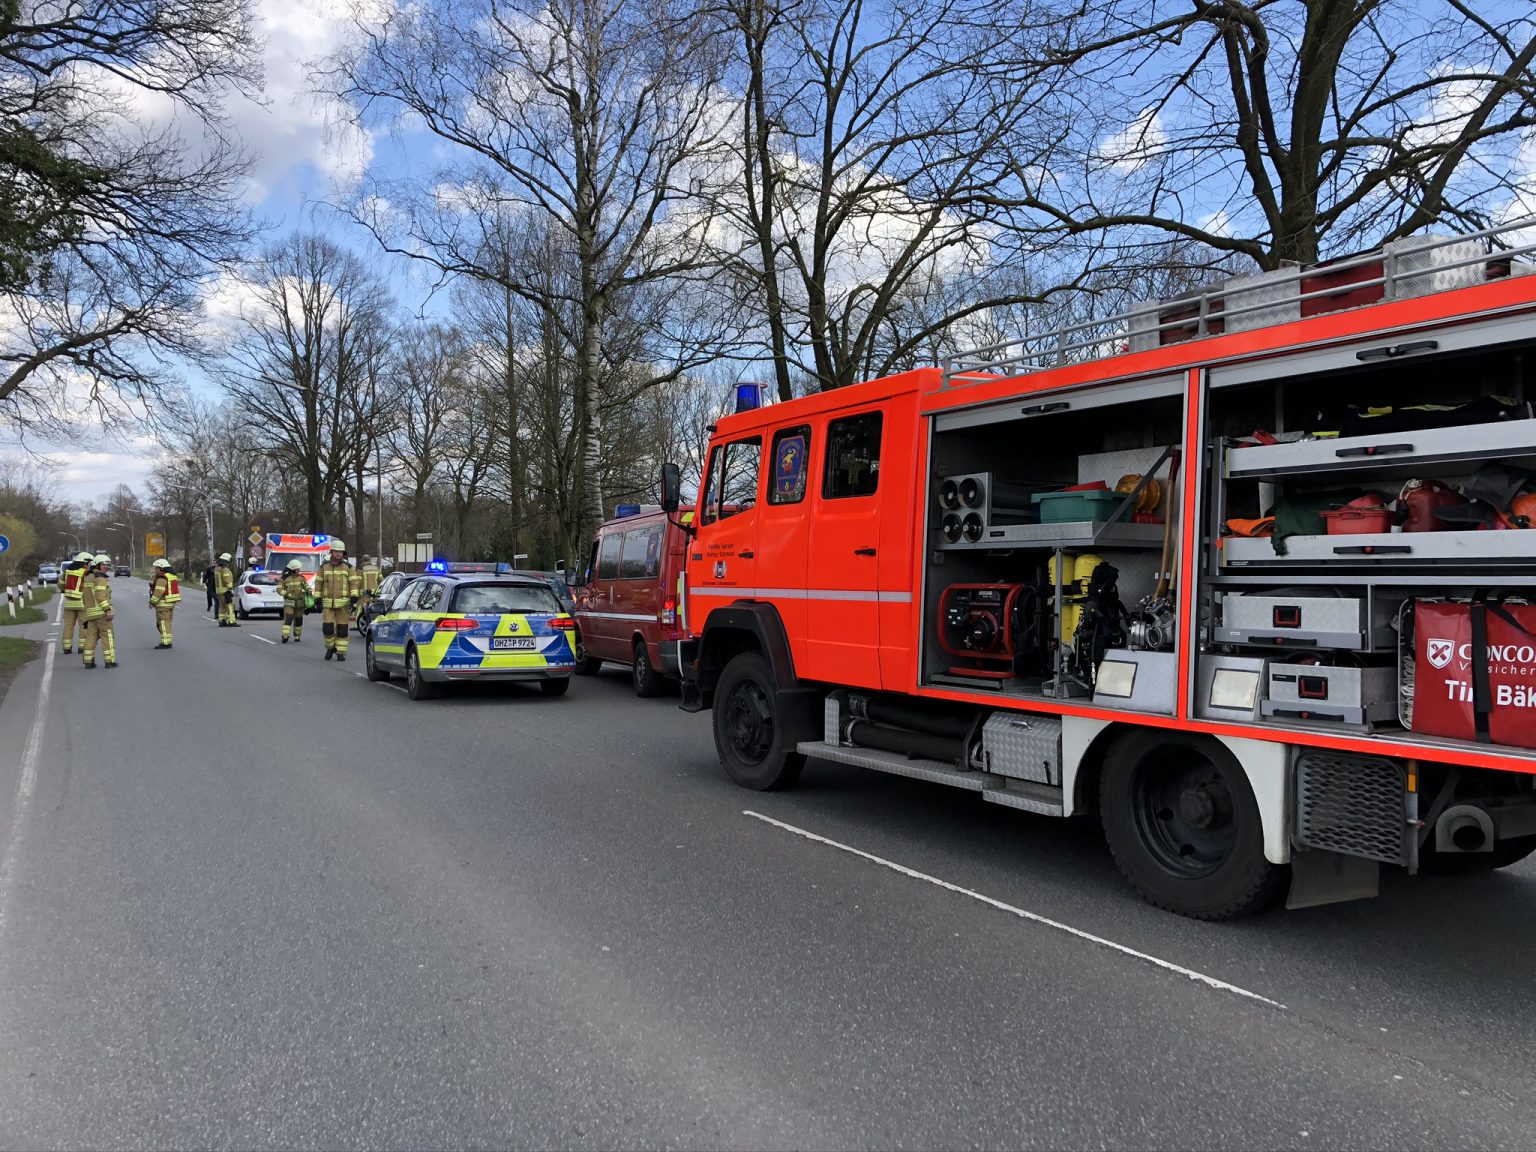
(132, 554)
(207, 509)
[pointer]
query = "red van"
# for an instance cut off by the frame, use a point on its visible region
(627, 599)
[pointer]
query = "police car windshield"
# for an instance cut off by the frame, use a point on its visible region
(497, 599)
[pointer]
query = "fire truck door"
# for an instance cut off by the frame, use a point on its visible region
(842, 585)
(727, 539)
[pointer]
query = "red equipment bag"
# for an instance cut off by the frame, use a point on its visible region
(1475, 671)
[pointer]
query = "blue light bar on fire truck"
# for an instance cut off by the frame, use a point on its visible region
(749, 395)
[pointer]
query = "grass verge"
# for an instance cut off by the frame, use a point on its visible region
(13, 654)
(23, 616)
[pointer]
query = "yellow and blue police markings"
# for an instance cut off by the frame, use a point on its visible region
(522, 640)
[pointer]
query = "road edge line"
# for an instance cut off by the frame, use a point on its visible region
(27, 782)
(1033, 917)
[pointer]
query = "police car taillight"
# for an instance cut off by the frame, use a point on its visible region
(669, 611)
(562, 623)
(456, 624)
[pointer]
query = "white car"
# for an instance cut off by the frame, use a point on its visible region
(48, 574)
(257, 592)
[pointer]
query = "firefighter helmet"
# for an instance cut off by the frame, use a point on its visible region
(295, 565)
(162, 563)
(82, 557)
(225, 557)
(338, 546)
(101, 558)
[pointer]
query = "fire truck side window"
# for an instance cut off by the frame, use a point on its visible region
(608, 558)
(853, 457)
(732, 485)
(791, 452)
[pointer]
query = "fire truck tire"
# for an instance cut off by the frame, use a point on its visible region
(1505, 853)
(1183, 826)
(756, 749)
(648, 681)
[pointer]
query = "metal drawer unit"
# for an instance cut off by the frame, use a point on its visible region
(1355, 623)
(1319, 692)
(1024, 746)
(1412, 451)
(1374, 549)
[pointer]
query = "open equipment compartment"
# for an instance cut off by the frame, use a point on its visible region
(1028, 583)
(1319, 611)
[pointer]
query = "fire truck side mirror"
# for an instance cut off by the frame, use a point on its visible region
(671, 488)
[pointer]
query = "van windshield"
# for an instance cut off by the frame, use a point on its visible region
(308, 561)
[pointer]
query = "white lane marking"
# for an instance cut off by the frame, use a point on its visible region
(263, 639)
(1033, 917)
(31, 754)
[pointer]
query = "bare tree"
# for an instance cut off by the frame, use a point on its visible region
(871, 145)
(578, 118)
(111, 215)
(300, 371)
(1274, 130)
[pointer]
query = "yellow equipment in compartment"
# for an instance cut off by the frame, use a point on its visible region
(1077, 571)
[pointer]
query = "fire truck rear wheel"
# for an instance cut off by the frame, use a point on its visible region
(1183, 826)
(648, 681)
(1505, 853)
(755, 748)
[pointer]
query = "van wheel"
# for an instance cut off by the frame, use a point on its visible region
(755, 749)
(1184, 828)
(585, 665)
(648, 681)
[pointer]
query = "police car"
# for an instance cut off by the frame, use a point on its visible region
(445, 627)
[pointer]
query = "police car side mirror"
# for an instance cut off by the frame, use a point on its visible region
(671, 488)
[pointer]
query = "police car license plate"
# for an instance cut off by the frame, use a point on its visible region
(513, 643)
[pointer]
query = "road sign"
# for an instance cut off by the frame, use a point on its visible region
(423, 535)
(254, 538)
(154, 544)
(5, 543)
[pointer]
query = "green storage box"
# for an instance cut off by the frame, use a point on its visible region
(1078, 507)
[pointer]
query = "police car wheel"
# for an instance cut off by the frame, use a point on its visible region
(648, 681)
(554, 687)
(756, 749)
(1184, 828)
(371, 663)
(416, 686)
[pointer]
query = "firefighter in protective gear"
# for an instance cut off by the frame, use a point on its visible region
(295, 590)
(97, 599)
(371, 576)
(224, 589)
(164, 595)
(337, 587)
(72, 588)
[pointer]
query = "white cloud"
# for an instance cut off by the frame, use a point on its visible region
(1137, 143)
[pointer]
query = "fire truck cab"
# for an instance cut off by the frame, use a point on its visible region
(1247, 574)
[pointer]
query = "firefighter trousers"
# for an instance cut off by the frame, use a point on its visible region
(335, 624)
(71, 619)
(227, 608)
(293, 621)
(98, 631)
(163, 622)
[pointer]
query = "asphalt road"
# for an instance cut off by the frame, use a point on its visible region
(248, 898)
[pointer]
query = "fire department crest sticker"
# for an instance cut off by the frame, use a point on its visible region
(1440, 652)
(719, 569)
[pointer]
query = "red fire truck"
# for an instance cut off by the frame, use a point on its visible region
(1249, 574)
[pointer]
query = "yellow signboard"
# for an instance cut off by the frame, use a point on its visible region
(154, 543)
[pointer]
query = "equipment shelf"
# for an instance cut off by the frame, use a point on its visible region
(1372, 549)
(1068, 535)
(1401, 452)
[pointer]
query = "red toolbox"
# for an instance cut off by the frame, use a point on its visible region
(1475, 671)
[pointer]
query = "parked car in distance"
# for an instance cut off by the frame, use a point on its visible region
(122, 570)
(627, 597)
(443, 628)
(257, 592)
(48, 574)
(389, 588)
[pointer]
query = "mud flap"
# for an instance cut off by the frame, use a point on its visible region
(1319, 877)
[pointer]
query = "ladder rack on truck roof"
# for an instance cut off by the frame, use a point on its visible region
(1264, 602)
(1398, 270)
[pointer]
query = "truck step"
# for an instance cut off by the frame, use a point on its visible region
(934, 771)
(1040, 799)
